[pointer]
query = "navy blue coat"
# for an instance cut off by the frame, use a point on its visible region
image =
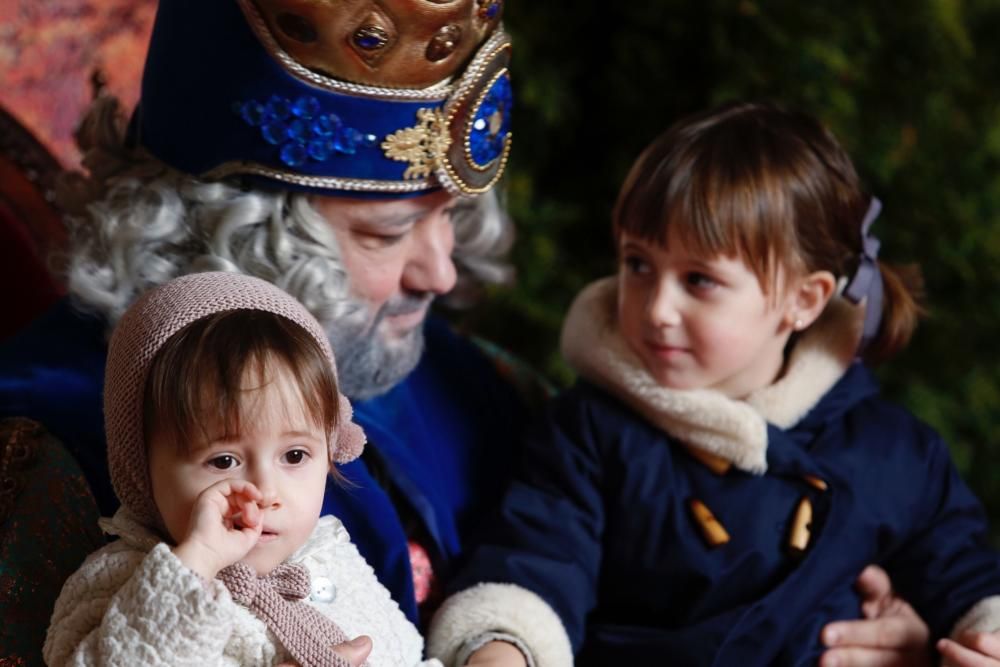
(598, 524)
(443, 439)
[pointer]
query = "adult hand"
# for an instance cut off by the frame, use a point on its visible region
(891, 634)
(972, 649)
(354, 652)
(225, 525)
(497, 654)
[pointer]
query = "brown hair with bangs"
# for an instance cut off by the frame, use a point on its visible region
(198, 377)
(770, 187)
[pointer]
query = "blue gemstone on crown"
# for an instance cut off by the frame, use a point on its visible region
(488, 9)
(370, 37)
(305, 107)
(344, 141)
(294, 154)
(491, 123)
(252, 112)
(278, 107)
(324, 126)
(298, 131)
(319, 149)
(275, 132)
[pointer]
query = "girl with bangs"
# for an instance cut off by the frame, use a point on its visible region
(725, 466)
(224, 419)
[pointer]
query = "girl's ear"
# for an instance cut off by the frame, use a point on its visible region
(809, 298)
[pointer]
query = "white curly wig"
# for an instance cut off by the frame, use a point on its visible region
(135, 223)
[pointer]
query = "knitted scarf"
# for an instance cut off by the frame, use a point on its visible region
(277, 599)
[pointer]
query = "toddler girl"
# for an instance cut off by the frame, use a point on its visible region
(708, 491)
(223, 420)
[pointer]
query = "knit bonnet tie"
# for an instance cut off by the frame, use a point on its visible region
(276, 599)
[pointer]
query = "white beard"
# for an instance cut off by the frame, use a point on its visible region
(368, 365)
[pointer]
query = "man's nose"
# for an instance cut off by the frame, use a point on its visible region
(430, 267)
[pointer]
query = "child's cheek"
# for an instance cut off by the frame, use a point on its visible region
(722, 342)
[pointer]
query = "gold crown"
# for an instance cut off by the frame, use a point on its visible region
(390, 43)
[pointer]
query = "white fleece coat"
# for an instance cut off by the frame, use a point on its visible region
(134, 603)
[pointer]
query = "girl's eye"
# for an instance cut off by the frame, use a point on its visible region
(636, 265)
(224, 462)
(700, 280)
(296, 456)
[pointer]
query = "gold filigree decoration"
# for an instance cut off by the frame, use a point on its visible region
(424, 145)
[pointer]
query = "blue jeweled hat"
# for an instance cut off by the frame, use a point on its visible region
(397, 97)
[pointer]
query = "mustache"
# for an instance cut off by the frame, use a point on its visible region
(404, 304)
(350, 338)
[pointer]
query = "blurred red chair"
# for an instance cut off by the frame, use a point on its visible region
(44, 498)
(31, 228)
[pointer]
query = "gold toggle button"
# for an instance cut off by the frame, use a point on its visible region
(799, 535)
(816, 483)
(713, 532)
(713, 462)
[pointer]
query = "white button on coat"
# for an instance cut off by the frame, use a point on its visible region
(323, 590)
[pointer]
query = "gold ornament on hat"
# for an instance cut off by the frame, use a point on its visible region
(424, 145)
(440, 144)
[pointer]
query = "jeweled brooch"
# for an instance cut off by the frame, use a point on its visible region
(423, 146)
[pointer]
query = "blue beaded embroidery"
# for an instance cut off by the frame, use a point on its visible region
(491, 123)
(300, 129)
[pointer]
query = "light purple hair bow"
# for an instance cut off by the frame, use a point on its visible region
(867, 279)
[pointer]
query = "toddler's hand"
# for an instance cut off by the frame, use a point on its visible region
(972, 649)
(225, 525)
(498, 654)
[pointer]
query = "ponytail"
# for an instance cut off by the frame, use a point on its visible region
(902, 307)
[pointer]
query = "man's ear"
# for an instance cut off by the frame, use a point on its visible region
(809, 297)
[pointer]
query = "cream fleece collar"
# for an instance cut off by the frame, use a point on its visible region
(703, 419)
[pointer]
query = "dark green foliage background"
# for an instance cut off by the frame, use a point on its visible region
(911, 89)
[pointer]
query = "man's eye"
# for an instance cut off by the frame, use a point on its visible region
(379, 240)
(388, 239)
(224, 462)
(296, 456)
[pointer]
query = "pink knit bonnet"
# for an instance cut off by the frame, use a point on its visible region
(145, 327)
